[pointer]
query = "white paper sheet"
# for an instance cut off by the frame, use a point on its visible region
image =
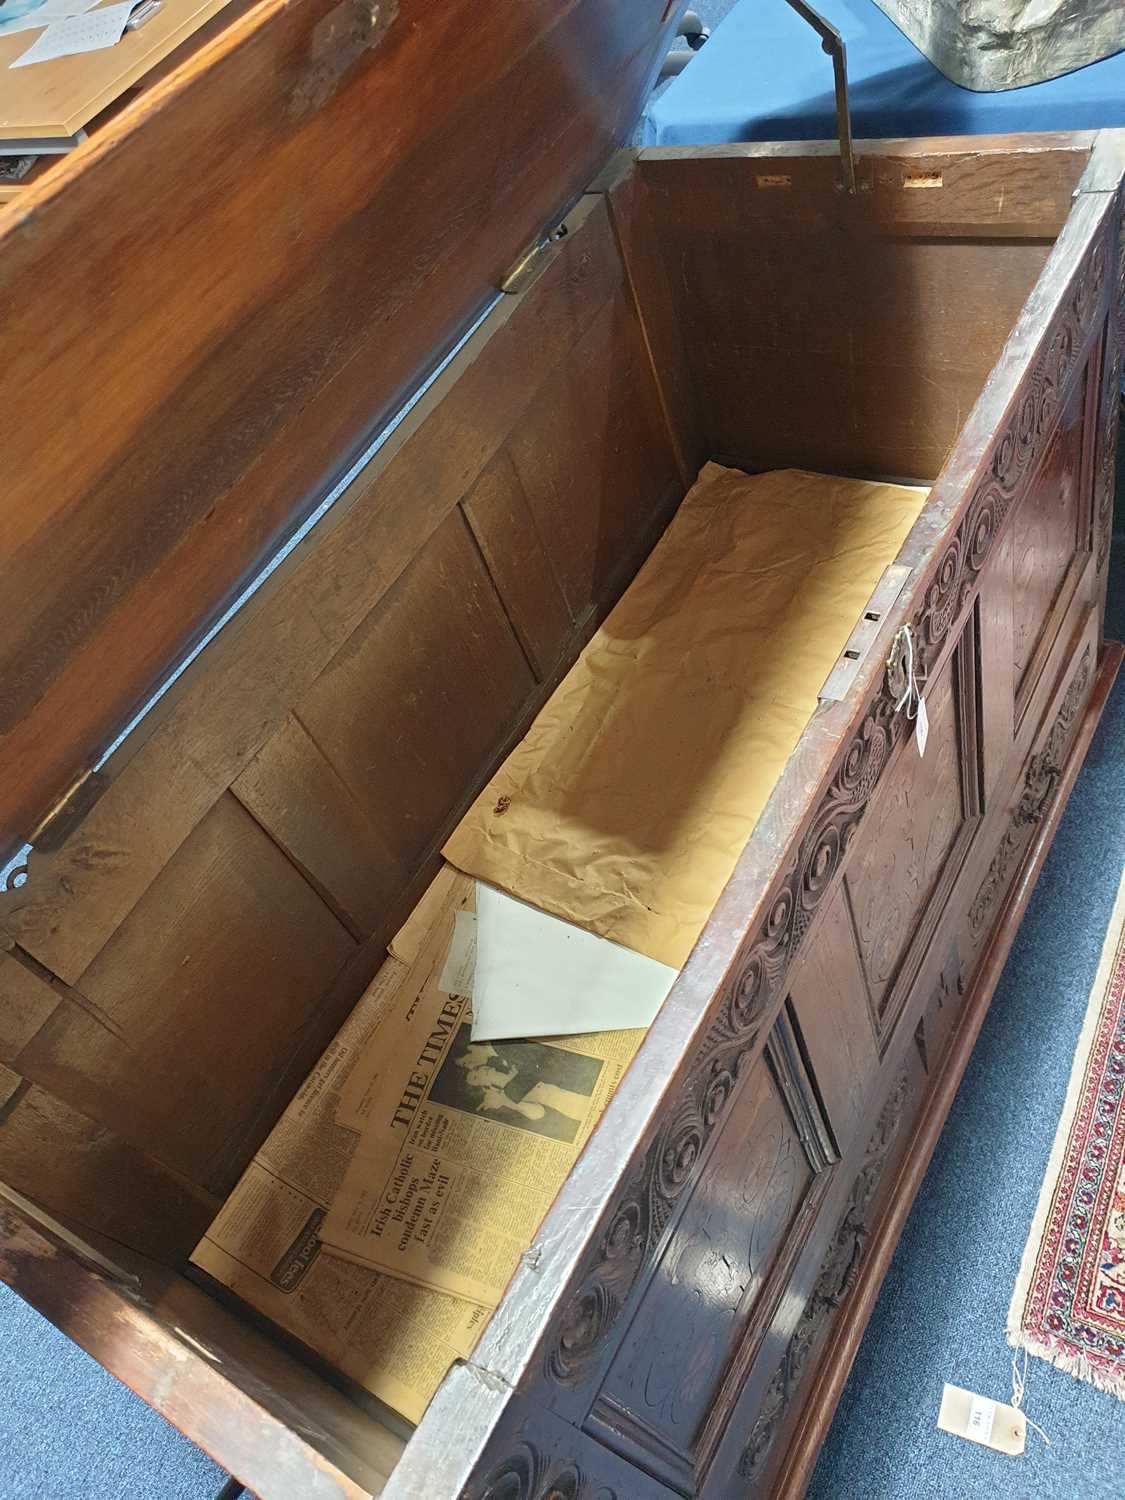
(537, 976)
(43, 15)
(86, 33)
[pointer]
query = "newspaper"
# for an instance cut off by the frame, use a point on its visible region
(464, 1144)
(396, 1339)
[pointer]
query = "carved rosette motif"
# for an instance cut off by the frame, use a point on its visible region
(647, 1197)
(527, 1474)
(1040, 780)
(838, 1275)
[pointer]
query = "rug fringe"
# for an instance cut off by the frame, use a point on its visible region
(1068, 1359)
(1018, 1336)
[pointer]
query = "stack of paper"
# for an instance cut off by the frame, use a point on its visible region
(383, 1217)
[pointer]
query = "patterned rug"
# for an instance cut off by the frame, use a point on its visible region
(1069, 1301)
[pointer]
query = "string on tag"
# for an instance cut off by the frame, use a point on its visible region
(911, 699)
(1019, 1390)
(912, 692)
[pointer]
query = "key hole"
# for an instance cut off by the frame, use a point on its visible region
(871, 615)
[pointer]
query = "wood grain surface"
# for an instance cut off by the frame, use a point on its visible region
(301, 225)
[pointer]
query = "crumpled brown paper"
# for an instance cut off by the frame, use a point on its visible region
(629, 801)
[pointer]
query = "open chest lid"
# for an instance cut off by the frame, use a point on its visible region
(210, 307)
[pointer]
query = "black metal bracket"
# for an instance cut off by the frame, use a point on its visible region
(833, 43)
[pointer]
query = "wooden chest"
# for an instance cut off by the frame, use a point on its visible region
(205, 903)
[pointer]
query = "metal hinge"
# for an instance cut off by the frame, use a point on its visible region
(833, 43)
(526, 266)
(57, 826)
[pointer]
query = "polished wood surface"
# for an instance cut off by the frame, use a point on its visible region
(260, 842)
(277, 241)
(739, 1202)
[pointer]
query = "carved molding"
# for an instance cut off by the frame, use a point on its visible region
(837, 1278)
(1109, 413)
(528, 1474)
(1108, 419)
(646, 1197)
(1040, 780)
(1016, 452)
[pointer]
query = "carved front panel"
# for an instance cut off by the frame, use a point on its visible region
(906, 847)
(839, 1272)
(1045, 538)
(1036, 790)
(721, 1272)
(605, 1287)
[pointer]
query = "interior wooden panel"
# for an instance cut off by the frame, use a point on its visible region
(256, 320)
(497, 511)
(351, 709)
(592, 453)
(885, 339)
(74, 1166)
(26, 1001)
(413, 708)
(203, 993)
(243, 688)
(880, 316)
(325, 829)
(1015, 186)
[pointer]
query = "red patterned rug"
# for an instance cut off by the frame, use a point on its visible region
(1069, 1302)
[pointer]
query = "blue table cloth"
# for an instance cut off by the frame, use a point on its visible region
(763, 77)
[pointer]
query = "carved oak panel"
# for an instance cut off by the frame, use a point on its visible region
(1034, 796)
(906, 847)
(1046, 532)
(658, 1181)
(721, 1272)
(838, 1275)
(828, 994)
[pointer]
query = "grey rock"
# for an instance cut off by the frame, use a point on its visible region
(1001, 44)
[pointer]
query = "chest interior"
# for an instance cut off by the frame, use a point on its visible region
(182, 956)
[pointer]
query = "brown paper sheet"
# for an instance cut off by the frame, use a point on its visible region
(627, 805)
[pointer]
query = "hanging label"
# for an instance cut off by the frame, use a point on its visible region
(922, 729)
(981, 1420)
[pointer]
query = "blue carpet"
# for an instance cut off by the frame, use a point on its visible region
(69, 1431)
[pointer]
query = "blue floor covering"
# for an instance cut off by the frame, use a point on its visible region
(68, 1431)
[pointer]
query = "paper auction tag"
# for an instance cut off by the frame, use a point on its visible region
(981, 1420)
(922, 726)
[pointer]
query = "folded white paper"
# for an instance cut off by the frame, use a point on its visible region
(26, 16)
(81, 33)
(537, 975)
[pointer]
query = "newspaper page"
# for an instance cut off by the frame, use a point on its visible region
(464, 1144)
(396, 1339)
